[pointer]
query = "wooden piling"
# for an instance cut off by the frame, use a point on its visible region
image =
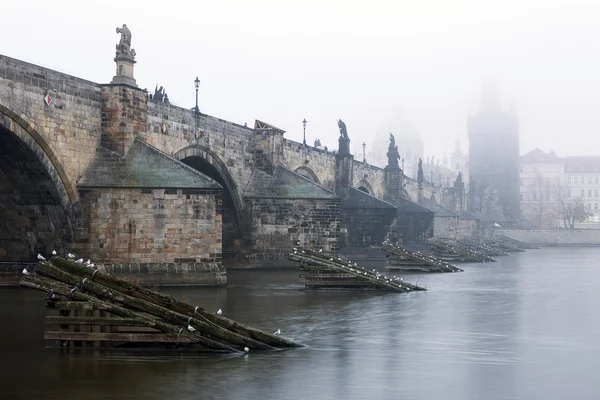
(97, 309)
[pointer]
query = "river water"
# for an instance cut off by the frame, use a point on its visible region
(526, 327)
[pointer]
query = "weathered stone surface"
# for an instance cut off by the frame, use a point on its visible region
(86, 118)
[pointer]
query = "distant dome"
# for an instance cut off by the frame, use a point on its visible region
(399, 125)
(405, 133)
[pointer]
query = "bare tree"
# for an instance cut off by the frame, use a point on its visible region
(570, 210)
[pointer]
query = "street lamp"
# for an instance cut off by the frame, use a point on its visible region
(304, 137)
(197, 85)
(364, 156)
(403, 165)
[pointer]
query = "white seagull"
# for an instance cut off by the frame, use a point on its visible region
(79, 261)
(88, 262)
(277, 332)
(219, 312)
(246, 349)
(25, 271)
(53, 252)
(41, 257)
(191, 328)
(70, 255)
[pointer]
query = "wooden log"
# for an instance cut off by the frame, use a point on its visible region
(99, 321)
(44, 283)
(202, 327)
(118, 337)
(308, 259)
(170, 303)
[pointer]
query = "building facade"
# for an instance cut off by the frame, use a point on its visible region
(552, 188)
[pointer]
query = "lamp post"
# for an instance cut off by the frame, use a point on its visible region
(304, 135)
(364, 154)
(403, 165)
(197, 85)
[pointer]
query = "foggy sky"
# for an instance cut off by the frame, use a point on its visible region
(281, 61)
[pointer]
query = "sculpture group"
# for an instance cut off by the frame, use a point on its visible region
(124, 46)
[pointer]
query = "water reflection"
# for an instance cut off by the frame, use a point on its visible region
(525, 327)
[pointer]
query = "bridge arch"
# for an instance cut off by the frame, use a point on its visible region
(365, 186)
(307, 173)
(37, 199)
(205, 160)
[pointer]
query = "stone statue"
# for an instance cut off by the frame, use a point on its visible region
(343, 132)
(392, 154)
(317, 143)
(124, 46)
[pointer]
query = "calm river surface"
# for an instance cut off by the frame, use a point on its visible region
(526, 327)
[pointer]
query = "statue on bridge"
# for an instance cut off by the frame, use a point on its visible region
(420, 174)
(124, 46)
(343, 131)
(392, 154)
(344, 140)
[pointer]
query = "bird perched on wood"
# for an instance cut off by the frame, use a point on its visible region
(70, 255)
(219, 312)
(191, 328)
(246, 349)
(53, 252)
(41, 257)
(50, 295)
(320, 250)
(88, 262)
(277, 332)
(79, 261)
(25, 271)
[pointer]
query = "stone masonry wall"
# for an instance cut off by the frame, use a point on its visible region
(278, 224)
(320, 162)
(365, 227)
(374, 176)
(123, 117)
(172, 129)
(151, 226)
(69, 127)
(453, 227)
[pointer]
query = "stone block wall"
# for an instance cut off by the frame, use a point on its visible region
(123, 117)
(374, 176)
(276, 225)
(554, 237)
(320, 162)
(365, 227)
(172, 129)
(68, 128)
(151, 226)
(453, 227)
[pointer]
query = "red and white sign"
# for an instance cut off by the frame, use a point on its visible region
(48, 99)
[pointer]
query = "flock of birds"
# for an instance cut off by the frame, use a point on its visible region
(354, 267)
(89, 264)
(71, 256)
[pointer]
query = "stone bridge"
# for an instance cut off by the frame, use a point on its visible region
(105, 170)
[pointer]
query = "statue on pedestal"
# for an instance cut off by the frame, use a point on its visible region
(392, 154)
(124, 46)
(344, 140)
(420, 174)
(343, 132)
